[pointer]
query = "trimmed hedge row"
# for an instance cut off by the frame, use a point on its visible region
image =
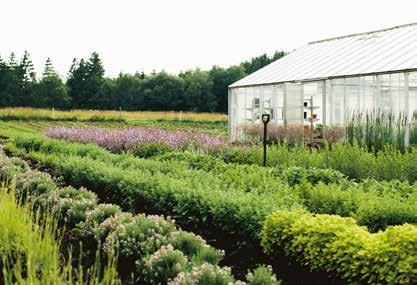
(372, 203)
(151, 248)
(339, 246)
(195, 199)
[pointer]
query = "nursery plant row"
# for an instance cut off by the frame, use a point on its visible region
(248, 188)
(149, 249)
(234, 215)
(353, 160)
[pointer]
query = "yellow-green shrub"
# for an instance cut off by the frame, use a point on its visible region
(342, 248)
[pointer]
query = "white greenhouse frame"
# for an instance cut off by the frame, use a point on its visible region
(375, 71)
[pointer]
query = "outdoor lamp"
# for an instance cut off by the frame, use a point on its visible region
(265, 120)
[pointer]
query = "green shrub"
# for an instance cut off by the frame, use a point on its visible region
(34, 183)
(150, 149)
(135, 237)
(10, 167)
(373, 204)
(262, 276)
(206, 274)
(88, 229)
(296, 175)
(69, 204)
(162, 266)
(341, 247)
(188, 243)
(207, 255)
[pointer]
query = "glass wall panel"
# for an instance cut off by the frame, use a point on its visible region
(412, 93)
(293, 103)
(233, 114)
(393, 96)
(278, 103)
(385, 96)
(368, 94)
(267, 106)
(240, 110)
(353, 100)
(337, 102)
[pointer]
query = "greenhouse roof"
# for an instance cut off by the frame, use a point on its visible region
(388, 50)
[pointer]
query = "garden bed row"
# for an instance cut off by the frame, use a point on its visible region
(232, 217)
(353, 160)
(375, 204)
(149, 249)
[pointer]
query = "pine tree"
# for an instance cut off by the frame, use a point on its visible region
(12, 60)
(51, 91)
(27, 68)
(49, 70)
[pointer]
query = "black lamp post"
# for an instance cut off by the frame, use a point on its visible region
(265, 120)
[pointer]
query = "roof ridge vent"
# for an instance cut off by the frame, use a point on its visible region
(364, 34)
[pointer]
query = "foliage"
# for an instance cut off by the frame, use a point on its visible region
(30, 249)
(205, 274)
(130, 139)
(147, 150)
(375, 130)
(277, 133)
(296, 175)
(87, 88)
(352, 160)
(339, 246)
(141, 243)
(163, 266)
(50, 90)
(262, 275)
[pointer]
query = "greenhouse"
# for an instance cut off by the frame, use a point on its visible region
(324, 83)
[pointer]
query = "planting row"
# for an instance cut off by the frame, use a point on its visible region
(319, 242)
(150, 249)
(128, 139)
(338, 245)
(354, 161)
(30, 254)
(372, 203)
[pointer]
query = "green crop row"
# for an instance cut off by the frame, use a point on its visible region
(354, 161)
(372, 203)
(151, 248)
(194, 198)
(232, 216)
(338, 245)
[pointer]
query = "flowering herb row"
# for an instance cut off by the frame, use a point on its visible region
(150, 248)
(130, 138)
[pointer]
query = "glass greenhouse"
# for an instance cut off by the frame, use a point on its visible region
(328, 81)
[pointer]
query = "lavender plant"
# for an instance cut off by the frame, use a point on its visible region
(130, 138)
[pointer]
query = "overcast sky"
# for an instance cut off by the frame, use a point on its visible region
(177, 35)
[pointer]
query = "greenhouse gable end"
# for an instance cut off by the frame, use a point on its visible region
(331, 79)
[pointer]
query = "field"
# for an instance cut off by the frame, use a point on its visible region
(340, 215)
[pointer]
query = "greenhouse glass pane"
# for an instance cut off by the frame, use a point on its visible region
(294, 104)
(412, 91)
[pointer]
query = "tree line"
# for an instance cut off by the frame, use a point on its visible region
(86, 87)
